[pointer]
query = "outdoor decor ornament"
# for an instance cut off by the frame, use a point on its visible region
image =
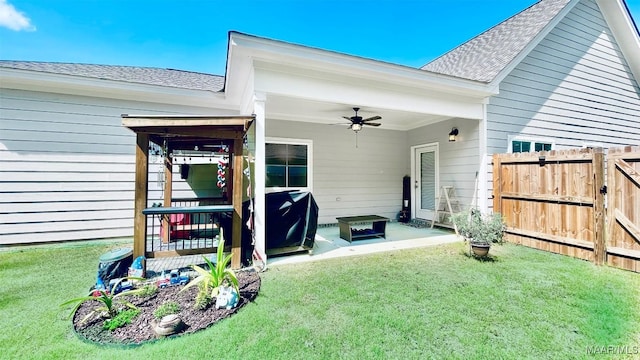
(222, 182)
(227, 297)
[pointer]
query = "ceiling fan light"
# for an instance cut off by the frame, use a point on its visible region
(356, 127)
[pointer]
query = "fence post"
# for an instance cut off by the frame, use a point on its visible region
(497, 179)
(599, 241)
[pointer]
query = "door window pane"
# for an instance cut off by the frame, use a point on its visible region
(428, 180)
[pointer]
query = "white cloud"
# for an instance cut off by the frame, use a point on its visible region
(14, 19)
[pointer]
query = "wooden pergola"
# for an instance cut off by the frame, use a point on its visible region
(185, 133)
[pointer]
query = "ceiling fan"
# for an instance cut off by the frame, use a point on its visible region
(357, 122)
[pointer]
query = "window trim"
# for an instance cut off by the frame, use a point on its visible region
(531, 139)
(292, 141)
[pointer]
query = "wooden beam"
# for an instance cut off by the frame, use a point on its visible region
(628, 171)
(134, 121)
(635, 254)
(497, 189)
(550, 237)
(141, 194)
(168, 194)
(599, 226)
(236, 243)
(203, 132)
(628, 225)
(556, 199)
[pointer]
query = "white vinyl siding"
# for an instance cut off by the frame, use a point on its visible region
(573, 87)
(350, 180)
(458, 160)
(67, 166)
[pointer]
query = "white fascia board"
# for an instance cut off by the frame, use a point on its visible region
(619, 20)
(83, 86)
(286, 54)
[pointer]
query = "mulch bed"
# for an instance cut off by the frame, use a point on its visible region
(141, 329)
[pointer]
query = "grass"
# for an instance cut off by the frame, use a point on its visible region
(412, 304)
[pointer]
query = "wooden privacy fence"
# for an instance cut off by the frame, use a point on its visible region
(623, 208)
(555, 201)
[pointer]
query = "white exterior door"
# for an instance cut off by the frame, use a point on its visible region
(426, 180)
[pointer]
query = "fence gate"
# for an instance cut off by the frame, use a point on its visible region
(623, 206)
(553, 200)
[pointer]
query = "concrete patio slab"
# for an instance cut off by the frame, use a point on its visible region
(328, 243)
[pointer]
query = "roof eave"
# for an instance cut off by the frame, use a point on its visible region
(617, 16)
(77, 85)
(247, 49)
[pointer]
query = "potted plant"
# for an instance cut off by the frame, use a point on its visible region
(481, 230)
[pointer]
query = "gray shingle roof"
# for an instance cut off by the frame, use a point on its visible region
(140, 75)
(486, 55)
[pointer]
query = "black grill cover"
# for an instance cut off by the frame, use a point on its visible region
(291, 220)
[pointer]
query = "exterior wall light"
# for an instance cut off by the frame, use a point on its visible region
(453, 134)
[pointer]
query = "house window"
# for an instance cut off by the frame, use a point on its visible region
(517, 144)
(288, 164)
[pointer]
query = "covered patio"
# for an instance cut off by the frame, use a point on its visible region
(328, 245)
(300, 97)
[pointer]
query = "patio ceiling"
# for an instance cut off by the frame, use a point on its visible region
(296, 109)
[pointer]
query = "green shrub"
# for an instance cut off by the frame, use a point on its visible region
(108, 300)
(165, 309)
(148, 290)
(203, 299)
(123, 318)
(480, 228)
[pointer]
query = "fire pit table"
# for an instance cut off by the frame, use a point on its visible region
(349, 233)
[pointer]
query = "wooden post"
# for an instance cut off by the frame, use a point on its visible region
(599, 240)
(141, 194)
(168, 188)
(497, 206)
(236, 180)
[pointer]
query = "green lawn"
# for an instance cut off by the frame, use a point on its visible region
(412, 304)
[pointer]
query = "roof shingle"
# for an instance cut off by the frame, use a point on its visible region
(133, 74)
(486, 55)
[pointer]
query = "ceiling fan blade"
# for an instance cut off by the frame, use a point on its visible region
(348, 118)
(377, 117)
(371, 124)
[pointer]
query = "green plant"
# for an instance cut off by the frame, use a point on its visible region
(121, 319)
(480, 228)
(212, 279)
(203, 299)
(109, 308)
(148, 290)
(165, 309)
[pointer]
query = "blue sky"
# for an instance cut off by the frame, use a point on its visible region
(192, 34)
